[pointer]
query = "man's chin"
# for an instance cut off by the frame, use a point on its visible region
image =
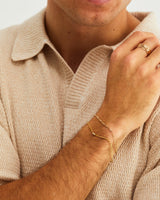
(95, 21)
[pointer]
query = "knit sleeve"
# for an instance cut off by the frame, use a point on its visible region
(148, 186)
(9, 160)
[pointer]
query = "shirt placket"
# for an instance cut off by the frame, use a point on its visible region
(77, 92)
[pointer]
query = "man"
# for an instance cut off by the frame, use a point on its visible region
(69, 130)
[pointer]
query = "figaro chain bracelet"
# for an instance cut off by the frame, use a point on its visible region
(105, 125)
(113, 151)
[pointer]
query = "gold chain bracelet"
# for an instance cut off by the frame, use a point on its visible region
(105, 125)
(102, 137)
(102, 122)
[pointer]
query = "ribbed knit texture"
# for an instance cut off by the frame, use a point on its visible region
(44, 104)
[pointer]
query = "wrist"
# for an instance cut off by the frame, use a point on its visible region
(116, 124)
(101, 147)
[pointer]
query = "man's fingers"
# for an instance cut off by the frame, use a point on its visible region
(140, 55)
(151, 43)
(132, 42)
(149, 66)
(153, 60)
(135, 58)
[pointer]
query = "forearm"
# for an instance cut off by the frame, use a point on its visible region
(72, 173)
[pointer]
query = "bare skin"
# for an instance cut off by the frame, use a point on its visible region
(87, 25)
(139, 82)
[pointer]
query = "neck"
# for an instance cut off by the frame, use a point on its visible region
(65, 35)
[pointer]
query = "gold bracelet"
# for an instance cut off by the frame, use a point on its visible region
(105, 125)
(102, 137)
(102, 122)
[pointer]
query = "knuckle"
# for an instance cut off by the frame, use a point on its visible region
(129, 60)
(155, 39)
(142, 34)
(152, 34)
(115, 54)
(138, 33)
(142, 71)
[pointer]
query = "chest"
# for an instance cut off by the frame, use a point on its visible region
(44, 112)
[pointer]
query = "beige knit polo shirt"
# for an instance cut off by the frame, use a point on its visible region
(44, 104)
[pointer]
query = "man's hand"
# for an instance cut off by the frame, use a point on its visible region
(133, 84)
(132, 92)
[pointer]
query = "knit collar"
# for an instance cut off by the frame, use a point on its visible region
(31, 36)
